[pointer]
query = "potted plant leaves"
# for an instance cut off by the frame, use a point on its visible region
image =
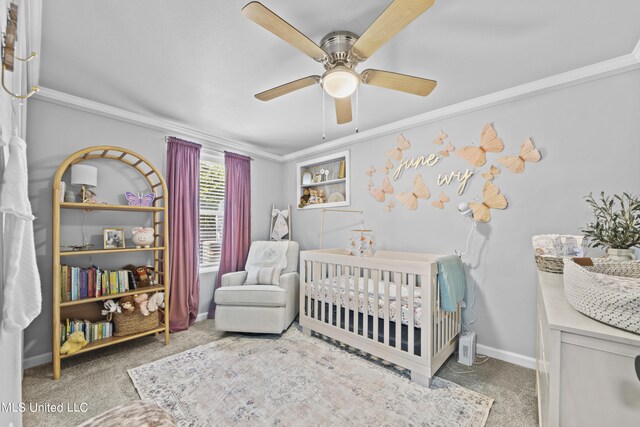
(617, 225)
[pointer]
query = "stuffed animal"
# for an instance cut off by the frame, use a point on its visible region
(127, 305)
(141, 302)
(111, 306)
(313, 196)
(142, 237)
(304, 200)
(74, 343)
(156, 301)
(145, 276)
(321, 197)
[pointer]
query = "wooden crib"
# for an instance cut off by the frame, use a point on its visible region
(411, 331)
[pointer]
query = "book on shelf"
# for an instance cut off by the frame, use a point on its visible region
(78, 283)
(92, 331)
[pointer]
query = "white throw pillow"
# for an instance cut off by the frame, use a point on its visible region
(263, 276)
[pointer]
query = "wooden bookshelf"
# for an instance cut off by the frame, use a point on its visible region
(145, 290)
(89, 308)
(104, 342)
(107, 207)
(109, 251)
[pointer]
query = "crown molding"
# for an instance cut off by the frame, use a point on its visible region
(595, 71)
(178, 130)
(559, 81)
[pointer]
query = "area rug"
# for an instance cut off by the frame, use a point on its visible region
(293, 380)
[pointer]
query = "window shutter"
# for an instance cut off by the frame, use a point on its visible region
(211, 210)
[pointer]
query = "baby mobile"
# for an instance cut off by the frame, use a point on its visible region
(476, 157)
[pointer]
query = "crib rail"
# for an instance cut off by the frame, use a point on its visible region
(388, 307)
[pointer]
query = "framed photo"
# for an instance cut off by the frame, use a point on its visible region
(113, 237)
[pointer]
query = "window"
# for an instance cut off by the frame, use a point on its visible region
(211, 211)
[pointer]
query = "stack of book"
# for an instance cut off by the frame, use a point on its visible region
(79, 283)
(92, 330)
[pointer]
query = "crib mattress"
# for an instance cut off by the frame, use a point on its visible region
(336, 291)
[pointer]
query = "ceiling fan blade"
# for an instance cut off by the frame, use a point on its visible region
(343, 110)
(286, 88)
(396, 81)
(395, 17)
(264, 17)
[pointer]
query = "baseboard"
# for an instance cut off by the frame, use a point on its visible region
(39, 359)
(507, 356)
(202, 316)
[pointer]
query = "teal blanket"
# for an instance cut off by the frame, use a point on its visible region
(452, 282)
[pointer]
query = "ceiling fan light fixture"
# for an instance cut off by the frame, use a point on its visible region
(340, 82)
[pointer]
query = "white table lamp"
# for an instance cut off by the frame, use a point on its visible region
(85, 176)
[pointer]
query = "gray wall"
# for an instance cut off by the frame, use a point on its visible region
(588, 135)
(54, 132)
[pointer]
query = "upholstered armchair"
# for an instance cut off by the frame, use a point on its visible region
(259, 299)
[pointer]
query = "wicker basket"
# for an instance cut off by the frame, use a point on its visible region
(134, 323)
(608, 291)
(550, 264)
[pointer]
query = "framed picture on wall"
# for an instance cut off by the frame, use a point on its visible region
(113, 237)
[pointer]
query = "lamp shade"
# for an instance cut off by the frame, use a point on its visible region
(340, 82)
(84, 175)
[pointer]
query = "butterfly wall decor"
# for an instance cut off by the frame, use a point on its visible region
(380, 193)
(440, 203)
(370, 171)
(489, 143)
(402, 144)
(140, 199)
(389, 206)
(448, 149)
(420, 191)
(528, 153)
(491, 199)
(493, 171)
(440, 139)
(387, 167)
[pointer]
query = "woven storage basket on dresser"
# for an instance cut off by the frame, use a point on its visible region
(129, 324)
(608, 291)
(550, 264)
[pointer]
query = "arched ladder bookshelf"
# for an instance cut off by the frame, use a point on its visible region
(160, 247)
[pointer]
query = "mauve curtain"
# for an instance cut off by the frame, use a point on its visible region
(236, 236)
(183, 182)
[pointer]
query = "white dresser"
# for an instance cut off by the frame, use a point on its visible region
(585, 369)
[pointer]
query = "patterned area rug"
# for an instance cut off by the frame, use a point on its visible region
(298, 380)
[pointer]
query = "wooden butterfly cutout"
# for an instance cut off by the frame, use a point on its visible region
(402, 144)
(370, 171)
(387, 168)
(440, 203)
(448, 149)
(389, 206)
(440, 140)
(489, 143)
(380, 193)
(493, 171)
(420, 191)
(491, 199)
(528, 153)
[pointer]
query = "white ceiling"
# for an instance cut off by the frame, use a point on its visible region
(199, 62)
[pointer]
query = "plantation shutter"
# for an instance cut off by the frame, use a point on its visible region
(211, 210)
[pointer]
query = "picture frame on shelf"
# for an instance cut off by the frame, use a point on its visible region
(113, 238)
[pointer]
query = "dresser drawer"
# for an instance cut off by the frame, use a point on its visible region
(598, 383)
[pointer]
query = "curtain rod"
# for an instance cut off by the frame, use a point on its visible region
(205, 148)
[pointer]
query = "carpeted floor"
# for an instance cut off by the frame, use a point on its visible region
(100, 379)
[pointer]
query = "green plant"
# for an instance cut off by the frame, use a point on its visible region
(617, 223)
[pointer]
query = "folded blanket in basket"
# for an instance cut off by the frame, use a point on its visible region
(452, 282)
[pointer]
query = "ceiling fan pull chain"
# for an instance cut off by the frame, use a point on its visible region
(323, 113)
(357, 105)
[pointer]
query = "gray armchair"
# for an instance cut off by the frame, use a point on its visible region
(259, 308)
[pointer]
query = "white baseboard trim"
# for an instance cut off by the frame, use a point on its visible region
(507, 356)
(37, 360)
(202, 316)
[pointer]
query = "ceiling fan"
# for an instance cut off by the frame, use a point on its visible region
(341, 51)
